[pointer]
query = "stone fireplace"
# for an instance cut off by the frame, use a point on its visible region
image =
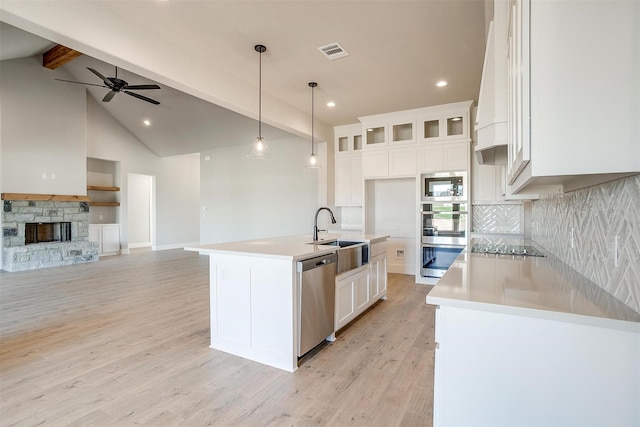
(49, 231)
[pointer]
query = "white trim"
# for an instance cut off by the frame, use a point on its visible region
(174, 246)
(139, 245)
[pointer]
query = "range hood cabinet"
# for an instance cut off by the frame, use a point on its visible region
(491, 118)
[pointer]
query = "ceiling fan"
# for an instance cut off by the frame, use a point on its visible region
(118, 85)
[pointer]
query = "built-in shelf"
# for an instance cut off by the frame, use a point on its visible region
(104, 203)
(99, 188)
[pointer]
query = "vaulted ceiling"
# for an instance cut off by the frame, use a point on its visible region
(202, 54)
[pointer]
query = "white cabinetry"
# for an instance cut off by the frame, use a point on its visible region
(491, 118)
(445, 125)
(348, 185)
(348, 139)
(107, 236)
(348, 165)
(405, 143)
(377, 276)
(543, 372)
(570, 126)
(352, 295)
(394, 162)
(375, 163)
(449, 156)
(252, 308)
(357, 290)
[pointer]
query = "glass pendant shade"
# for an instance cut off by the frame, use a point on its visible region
(312, 162)
(259, 149)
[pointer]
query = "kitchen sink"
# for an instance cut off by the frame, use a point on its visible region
(350, 254)
(341, 243)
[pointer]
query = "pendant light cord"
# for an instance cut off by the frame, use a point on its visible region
(312, 115)
(260, 98)
(312, 85)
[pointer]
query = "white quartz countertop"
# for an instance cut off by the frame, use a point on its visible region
(286, 247)
(542, 287)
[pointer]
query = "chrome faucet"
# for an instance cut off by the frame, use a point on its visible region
(315, 222)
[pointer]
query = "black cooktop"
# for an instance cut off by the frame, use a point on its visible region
(504, 249)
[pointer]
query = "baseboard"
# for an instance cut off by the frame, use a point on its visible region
(174, 246)
(401, 269)
(139, 245)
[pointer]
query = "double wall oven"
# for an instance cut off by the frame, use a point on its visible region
(444, 220)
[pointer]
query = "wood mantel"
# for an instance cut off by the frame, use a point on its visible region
(45, 197)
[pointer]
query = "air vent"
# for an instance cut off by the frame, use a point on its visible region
(333, 51)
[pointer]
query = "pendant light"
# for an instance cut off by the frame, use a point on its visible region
(259, 149)
(312, 162)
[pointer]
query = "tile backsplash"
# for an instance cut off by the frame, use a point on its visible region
(507, 219)
(596, 231)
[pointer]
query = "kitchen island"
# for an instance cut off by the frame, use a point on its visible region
(529, 341)
(254, 292)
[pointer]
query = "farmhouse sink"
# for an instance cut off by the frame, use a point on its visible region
(351, 254)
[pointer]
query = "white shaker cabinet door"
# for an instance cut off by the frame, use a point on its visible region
(375, 163)
(110, 239)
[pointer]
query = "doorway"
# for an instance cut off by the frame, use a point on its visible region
(141, 208)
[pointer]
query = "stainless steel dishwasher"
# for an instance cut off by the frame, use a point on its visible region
(316, 300)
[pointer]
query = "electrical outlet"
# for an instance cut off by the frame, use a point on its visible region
(400, 253)
(44, 175)
(101, 216)
(53, 176)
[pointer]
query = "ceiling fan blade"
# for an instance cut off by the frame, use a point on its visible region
(144, 98)
(109, 96)
(141, 87)
(103, 78)
(81, 83)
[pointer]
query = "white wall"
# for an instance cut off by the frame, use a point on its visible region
(247, 198)
(43, 130)
(55, 127)
(177, 179)
(139, 210)
(391, 208)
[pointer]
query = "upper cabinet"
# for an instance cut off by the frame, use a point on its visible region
(348, 139)
(404, 143)
(438, 126)
(573, 93)
(348, 165)
(491, 118)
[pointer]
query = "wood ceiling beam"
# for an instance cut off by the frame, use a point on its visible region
(57, 56)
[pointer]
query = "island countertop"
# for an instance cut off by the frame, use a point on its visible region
(286, 247)
(541, 287)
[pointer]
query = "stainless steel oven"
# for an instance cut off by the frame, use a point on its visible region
(444, 186)
(436, 259)
(444, 223)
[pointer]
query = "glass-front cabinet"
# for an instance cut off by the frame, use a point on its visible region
(375, 136)
(403, 132)
(443, 126)
(348, 139)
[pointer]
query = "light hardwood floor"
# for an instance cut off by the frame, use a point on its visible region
(124, 341)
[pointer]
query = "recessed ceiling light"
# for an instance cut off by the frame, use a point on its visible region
(441, 83)
(331, 104)
(147, 122)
